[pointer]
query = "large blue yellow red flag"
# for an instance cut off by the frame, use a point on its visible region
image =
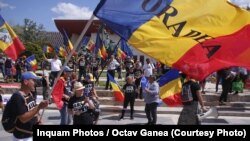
(118, 94)
(125, 48)
(195, 37)
(170, 88)
(9, 42)
(32, 61)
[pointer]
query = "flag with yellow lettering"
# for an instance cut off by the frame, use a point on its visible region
(195, 37)
(9, 42)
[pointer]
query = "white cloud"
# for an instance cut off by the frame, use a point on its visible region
(71, 11)
(6, 5)
(241, 2)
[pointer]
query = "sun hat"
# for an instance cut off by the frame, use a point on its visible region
(78, 86)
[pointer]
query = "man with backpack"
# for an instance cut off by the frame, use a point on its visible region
(191, 98)
(21, 111)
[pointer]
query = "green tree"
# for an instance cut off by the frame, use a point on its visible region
(33, 37)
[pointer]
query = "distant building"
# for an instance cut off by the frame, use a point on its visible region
(73, 28)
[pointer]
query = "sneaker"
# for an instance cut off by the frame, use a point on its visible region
(120, 118)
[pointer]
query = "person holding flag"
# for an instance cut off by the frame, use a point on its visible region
(9, 42)
(130, 93)
(31, 60)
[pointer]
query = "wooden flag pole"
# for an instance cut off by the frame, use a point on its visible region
(71, 53)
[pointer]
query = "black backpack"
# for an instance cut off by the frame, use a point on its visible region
(9, 119)
(186, 94)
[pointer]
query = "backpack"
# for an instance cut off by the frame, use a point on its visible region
(8, 118)
(186, 94)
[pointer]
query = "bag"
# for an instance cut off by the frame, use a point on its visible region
(237, 86)
(8, 118)
(186, 94)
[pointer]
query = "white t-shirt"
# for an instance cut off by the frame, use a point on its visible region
(148, 69)
(55, 64)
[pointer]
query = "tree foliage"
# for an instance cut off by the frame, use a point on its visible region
(33, 36)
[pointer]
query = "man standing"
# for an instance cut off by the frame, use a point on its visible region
(56, 65)
(24, 108)
(151, 98)
(148, 68)
(191, 98)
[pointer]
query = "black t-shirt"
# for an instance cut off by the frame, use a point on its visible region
(20, 107)
(82, 64)
(77, 104)
(129, 89)
(138, 73)
(194, 88)
(88, 90)
(128, 64)
(95, 65)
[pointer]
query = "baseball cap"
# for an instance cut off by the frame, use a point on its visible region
(29, 75)
(67, 69)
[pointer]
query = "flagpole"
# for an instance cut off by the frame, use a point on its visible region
(107, 59)
(71, 53)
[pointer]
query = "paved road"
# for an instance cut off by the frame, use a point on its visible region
(51, 117)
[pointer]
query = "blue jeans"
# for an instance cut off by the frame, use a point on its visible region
(65, 116)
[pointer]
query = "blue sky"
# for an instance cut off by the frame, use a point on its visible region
(44, 11)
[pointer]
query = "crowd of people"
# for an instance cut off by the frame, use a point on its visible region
(76, 99)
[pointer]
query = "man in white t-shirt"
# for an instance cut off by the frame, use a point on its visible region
(56, 65)
(148, 68)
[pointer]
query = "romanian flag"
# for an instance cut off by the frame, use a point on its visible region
(48, 49)
(119, 96)
(67, 42)
(32, 61)
(196, 37)
(91, 45)
(100, 49)
(170, 88)
(57, 93)
(9, 42)
(61, 51)
(121, 54)
(125, 48)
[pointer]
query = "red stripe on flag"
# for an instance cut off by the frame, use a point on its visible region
(14, 49)
(206, 57)
(118, 96)
(173, 100)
